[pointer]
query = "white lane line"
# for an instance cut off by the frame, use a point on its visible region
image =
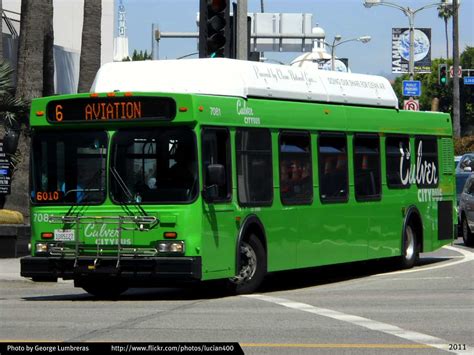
(466, 256)
(386, 328)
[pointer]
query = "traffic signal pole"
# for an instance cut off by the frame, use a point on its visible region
(456, 99)
(242, 31)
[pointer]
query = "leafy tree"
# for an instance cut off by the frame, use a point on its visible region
(431, 89)
(140, 55)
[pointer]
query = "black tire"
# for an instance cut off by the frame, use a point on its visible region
(466, 233)
(253, 268)
(410, 248)
(104, 289)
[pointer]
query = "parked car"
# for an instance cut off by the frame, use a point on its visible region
(466, 211)
(465, 164)
(457, 158)
(463, 169)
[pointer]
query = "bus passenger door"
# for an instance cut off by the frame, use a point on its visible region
(218, 225)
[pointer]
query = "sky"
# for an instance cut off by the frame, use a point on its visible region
(348, 18)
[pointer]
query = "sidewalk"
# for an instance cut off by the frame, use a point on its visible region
(10, 270)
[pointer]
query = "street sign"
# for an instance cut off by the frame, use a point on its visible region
(5, 172)
(451, 72)
(469, 80)
(411, 88)
(411, 105)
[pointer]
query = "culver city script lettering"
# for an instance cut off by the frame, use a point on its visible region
(92, 230)
(113, 111)
(422, 172)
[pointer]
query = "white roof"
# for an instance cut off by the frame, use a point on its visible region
(229, 77)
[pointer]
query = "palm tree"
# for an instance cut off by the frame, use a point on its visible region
(12, 112)
(31, 77)
(1, 30)
(48, 57)
(445, 13)
(91, 44)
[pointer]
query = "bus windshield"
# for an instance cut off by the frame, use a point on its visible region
(68, 167)
(155, 165)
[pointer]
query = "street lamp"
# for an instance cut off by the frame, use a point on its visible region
(337, 38)
(410, 13)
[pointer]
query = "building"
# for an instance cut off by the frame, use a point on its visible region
(67, 23)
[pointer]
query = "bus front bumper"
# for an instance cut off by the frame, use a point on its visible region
(128, 269)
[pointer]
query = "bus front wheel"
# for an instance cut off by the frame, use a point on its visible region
(253, 267)
(410, 249)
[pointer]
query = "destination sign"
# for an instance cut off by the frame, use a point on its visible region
(111, 109)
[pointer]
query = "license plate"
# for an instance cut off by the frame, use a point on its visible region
(64, 235)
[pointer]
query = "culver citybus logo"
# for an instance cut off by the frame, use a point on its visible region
(422, 172)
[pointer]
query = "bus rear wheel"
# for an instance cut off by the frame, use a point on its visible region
(410, 248)
(253, 267)
(466, 233)
(103, 289)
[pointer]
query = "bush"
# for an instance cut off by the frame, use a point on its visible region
(11, 217)
(463, 145)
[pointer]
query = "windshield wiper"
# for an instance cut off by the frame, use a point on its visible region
(126, 190)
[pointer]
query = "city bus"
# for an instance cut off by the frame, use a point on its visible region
(181, 171)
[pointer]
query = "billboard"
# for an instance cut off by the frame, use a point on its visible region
(401, 50)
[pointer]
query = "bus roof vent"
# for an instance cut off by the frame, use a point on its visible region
(230, 77)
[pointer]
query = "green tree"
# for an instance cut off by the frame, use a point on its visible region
(467, 91)
(140, 55)
(432, 89)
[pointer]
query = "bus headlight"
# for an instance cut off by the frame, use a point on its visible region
(41, 248)
(168, 246)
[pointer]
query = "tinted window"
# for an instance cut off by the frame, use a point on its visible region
(216, 151)
(332, 161)
(398, 161)
(367, 167)
(68, 167)
(427, 172)
(254, 166)
(154, 165)
(296, 181)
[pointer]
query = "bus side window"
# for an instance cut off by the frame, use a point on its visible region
(398, 156)
(367, 179)
(216, 150)
(296, 178)
(254, 166)
(333, 170)
(426, 150)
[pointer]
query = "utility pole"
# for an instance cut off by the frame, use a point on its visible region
(456, 103)
(242, 32)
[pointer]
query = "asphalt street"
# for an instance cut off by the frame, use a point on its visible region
(357, 308)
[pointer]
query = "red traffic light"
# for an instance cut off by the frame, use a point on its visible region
(217, 5)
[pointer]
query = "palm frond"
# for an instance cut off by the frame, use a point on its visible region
(6, 85)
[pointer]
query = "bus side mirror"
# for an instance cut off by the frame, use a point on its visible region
(215, 175)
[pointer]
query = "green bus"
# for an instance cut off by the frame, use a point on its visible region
(205, 169)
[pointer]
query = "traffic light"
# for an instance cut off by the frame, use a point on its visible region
(443, 74)
(214, 29)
